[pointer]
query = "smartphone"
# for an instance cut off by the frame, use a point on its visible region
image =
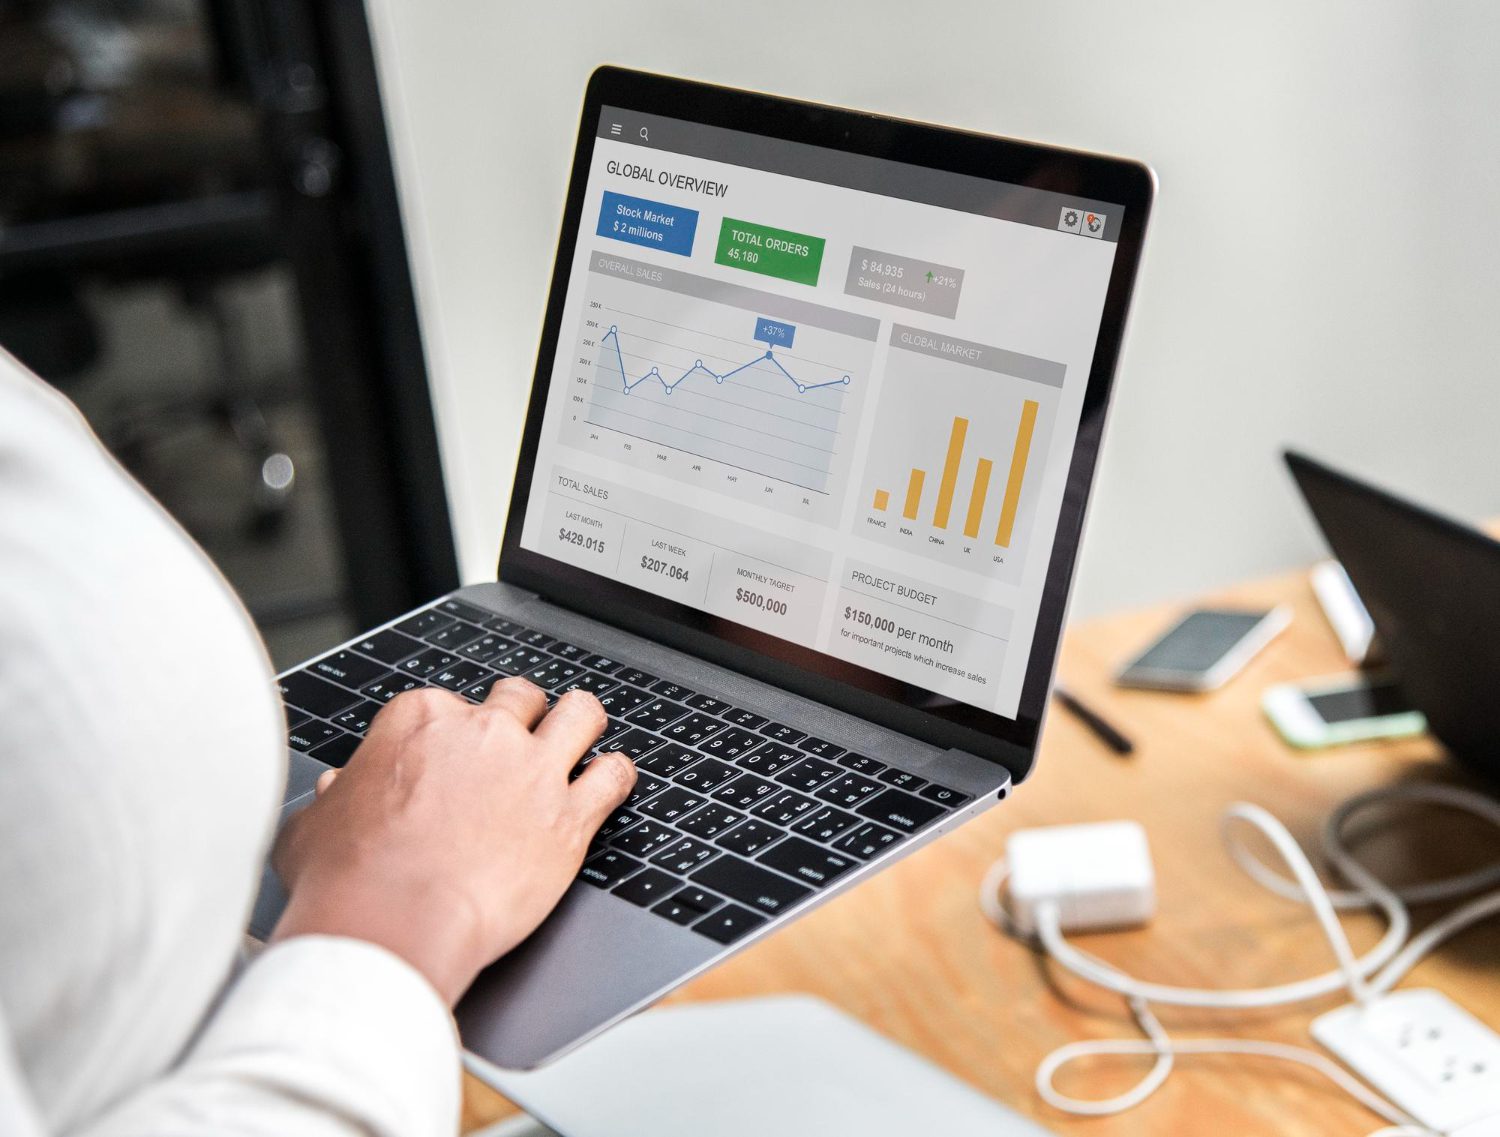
(1344, 708)
(1204, 649)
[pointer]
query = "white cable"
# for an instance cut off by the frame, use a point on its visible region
(1389, 958)
(1351, 972)
(1336, 844)
(1167, 1049)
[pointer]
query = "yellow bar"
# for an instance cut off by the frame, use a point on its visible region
(1017, 474)
(882, 500)
(914, 494)
(950, 473)
(976, 499)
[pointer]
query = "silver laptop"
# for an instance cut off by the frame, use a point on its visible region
(815, 415)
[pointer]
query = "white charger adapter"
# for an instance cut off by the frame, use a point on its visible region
(1098, 876)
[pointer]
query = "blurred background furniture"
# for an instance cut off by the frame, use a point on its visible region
(200, 244)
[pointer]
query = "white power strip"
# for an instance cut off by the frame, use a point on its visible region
(1424, 1052)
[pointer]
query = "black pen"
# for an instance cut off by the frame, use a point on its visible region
(1096, 722)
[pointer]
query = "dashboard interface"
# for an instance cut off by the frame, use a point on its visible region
(828, 397)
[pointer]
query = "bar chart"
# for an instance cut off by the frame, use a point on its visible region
(979, 490)
(956, 456)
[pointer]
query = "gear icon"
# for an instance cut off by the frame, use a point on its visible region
(1071, 218)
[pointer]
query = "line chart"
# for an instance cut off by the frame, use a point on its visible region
(759, 415)
(768, 356)
(745, 393)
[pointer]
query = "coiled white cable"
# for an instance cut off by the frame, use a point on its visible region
(1387, 962)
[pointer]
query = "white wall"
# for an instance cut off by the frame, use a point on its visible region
(1324, 264)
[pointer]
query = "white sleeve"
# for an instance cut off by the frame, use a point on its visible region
(319, 1037)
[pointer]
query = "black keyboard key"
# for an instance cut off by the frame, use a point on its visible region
(693, 729)
(694, 897)
(553, 674)
(457, 676)
(623, 699)
(486, 647)
(745, 791)
(519, 661)
(867, 839)
(634, 742)
(819, 748)
(462, 611)
(672, 803)
(860, 763)
(741, 717)
(707, 704)
(705, 775)
(645, 786)
(656, 714)
(608, 868)
(358, 717)
(503, 626)
(540, 640)
(824, 823)
(902, 779)
(479, 692)
(647, 887)
(684, 855)
(806, 861)
(676, 911)
(644, 839)
(730, 743)
(635, 676)
(423, 624)
(613, 728)
(942, 795)
(750, 884)
(728, 924)
(780, 732)
(601, 663)
(587, 681)
(571, 652)
(294, 717)
(336, 751)
(768, 758)
(785, 807)
(848, 790)
(312, 732)
(455, 636)
(316, 696)
(901, 810)
(751, 837)
(617, 822)
(389, 646)
(669, 690)
(808, 774)
(710, 821)
(385, 689)
(433, 659)
(667, 760)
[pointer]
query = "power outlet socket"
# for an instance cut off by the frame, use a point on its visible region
(1422, 1051)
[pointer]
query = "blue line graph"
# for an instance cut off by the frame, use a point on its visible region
(629, 384)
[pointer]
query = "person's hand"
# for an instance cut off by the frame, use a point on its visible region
(454, 830)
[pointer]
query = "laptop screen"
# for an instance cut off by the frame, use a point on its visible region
(826, 400)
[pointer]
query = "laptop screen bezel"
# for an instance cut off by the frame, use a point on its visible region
(803, 671)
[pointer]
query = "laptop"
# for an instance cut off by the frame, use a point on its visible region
(1431, 586)
(816, 409)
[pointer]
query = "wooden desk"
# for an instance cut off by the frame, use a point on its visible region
(910, 954)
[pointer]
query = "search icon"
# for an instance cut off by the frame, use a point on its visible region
(644, 136)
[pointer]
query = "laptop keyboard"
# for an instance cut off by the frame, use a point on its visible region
(734, 818)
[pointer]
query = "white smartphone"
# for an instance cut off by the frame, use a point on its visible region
(1341, 709)
(1204, 649)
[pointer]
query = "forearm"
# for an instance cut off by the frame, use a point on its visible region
(320, 1037)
